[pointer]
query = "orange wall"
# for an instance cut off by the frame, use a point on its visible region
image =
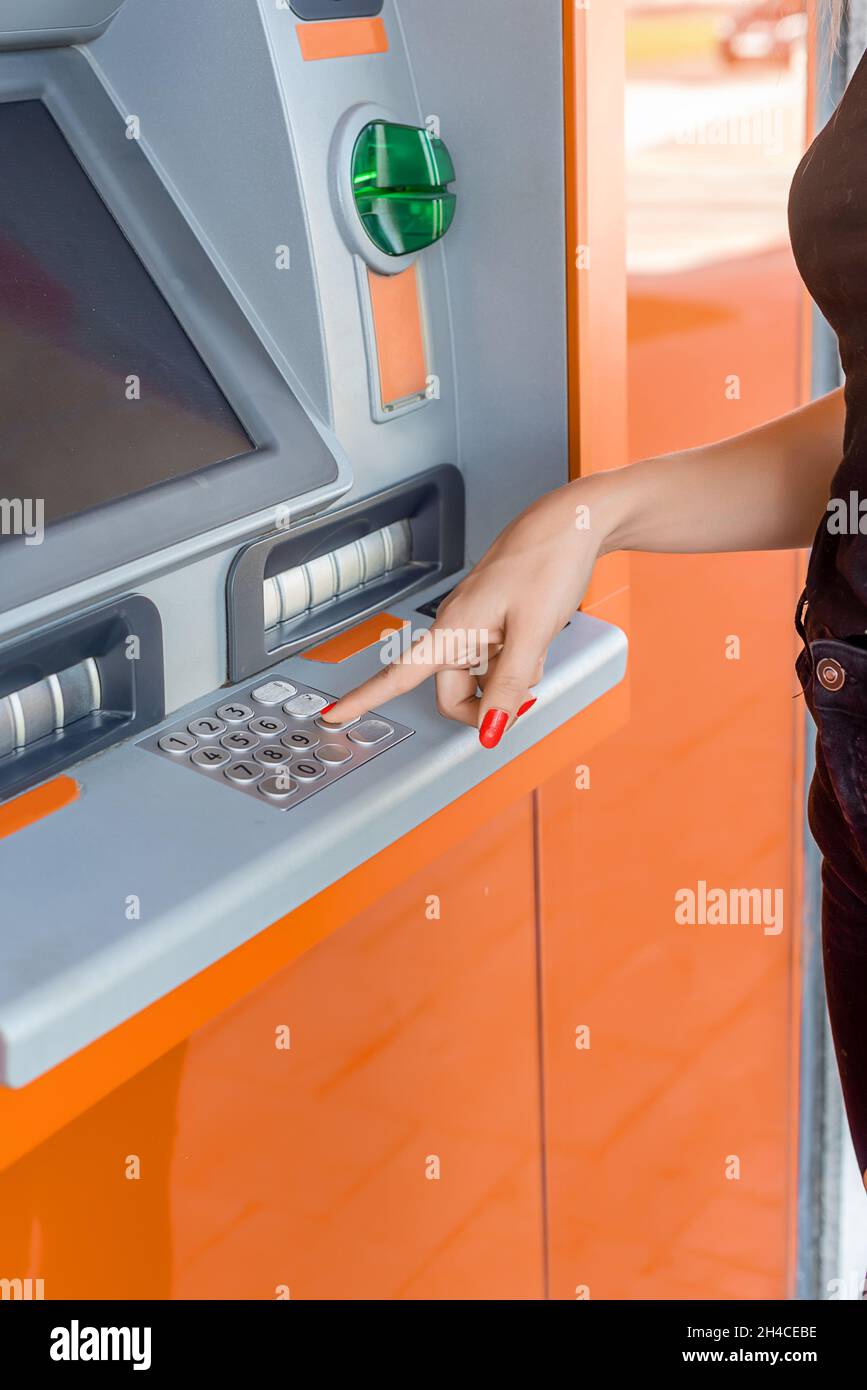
(692, 1030)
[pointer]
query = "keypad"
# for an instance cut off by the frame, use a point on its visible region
(269, 742)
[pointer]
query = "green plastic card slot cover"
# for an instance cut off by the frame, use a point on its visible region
(400, 178)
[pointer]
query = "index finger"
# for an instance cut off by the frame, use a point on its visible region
(438, 648)
(416, 665)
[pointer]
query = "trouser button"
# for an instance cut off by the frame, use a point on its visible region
(830, 673)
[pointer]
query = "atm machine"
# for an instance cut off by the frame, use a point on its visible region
(283, 346)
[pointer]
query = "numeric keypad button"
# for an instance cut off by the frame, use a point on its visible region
(278, 788)
(211, 758)
(240, 742)
(207, 727)
(272, 755)
(310, 770)
(305, 706)
(299, 741)
(273, 692)
(336, 728)
(268, 727)
(370, 732)
(333, 753)
(177, 744)
(235, 714)
(243, 773)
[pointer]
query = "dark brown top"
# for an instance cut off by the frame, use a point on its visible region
(828, 227)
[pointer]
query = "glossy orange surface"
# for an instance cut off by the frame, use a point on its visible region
(385, 1145)
(689, 1061)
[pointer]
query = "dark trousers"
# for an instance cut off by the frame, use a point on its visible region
(833, 676)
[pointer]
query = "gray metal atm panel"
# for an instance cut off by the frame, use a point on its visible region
(243, 131)
(210, 868)
(493, 71)
(200, 77)
(262, 177)
(45, 23)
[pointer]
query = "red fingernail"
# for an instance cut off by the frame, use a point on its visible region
(527, 705)
(493, 727)
(328, 707)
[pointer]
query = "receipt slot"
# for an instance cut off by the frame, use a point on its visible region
(279, 368)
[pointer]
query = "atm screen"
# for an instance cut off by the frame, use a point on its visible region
(102, 394)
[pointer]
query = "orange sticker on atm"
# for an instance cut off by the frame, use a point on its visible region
(357, 639)
(397, 324)
(341, 38)
(36, 805)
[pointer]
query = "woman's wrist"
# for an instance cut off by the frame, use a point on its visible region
(604, 505)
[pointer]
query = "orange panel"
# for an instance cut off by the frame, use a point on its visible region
(365, 1125)
(356, 640)
(399, 336)
(341, 38)
(594, 49)
(36, 805)
(595, 282)
(690, 1058)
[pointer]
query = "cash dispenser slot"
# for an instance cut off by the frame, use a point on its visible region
(289, 591)
(76, 688)
(377, 556)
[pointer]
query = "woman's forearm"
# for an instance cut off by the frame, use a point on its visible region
(766, 489)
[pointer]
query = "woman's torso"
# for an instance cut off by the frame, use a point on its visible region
(828, 227)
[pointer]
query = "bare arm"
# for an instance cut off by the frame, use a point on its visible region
(765, 489)
(762, 490)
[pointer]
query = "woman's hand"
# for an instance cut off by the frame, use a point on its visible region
(762, 490)
(493, 631)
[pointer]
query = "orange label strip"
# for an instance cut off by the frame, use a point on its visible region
(341, 38)
(36, 805)
(357, 639)
(397, 323)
